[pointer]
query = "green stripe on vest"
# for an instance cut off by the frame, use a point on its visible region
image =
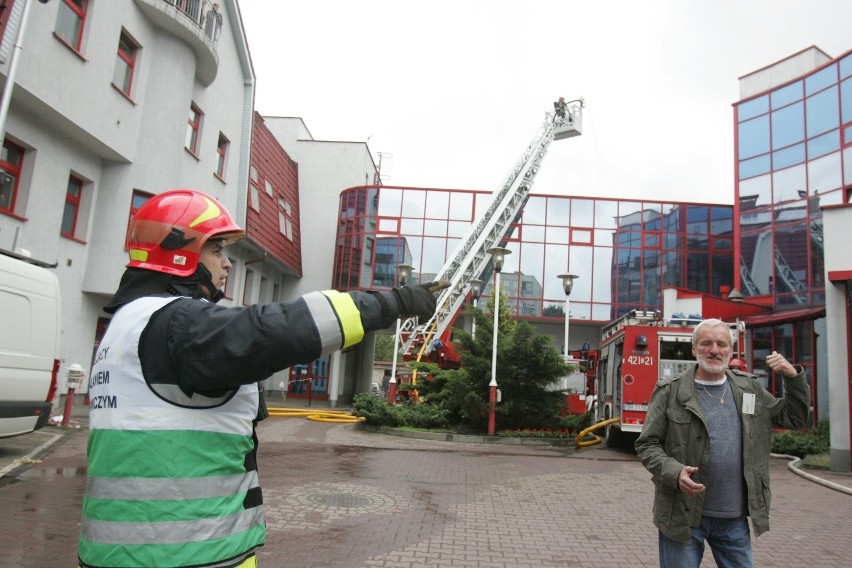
(184, 554)
(166, 453)
(161, 511)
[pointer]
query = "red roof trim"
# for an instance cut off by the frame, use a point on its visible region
(784, 316)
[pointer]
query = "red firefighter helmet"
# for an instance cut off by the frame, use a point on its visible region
(737, 364)
(168, 231)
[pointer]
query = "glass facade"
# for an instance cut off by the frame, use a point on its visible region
(794, 152)
(624, 251)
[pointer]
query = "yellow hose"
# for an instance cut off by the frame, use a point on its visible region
(328, 417)
(426, 341)
(341, 416)
(580, 443)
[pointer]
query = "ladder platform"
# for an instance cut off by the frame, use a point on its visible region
(571, 126)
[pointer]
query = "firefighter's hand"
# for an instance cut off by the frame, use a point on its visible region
(418, 301)
(685, 483)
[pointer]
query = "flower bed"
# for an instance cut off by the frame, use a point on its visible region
(537, 433)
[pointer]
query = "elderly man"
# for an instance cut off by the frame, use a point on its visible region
(706, 441)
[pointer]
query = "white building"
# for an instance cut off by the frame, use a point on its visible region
(838, 314)
(113, 102)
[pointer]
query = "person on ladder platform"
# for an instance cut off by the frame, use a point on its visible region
(560, 107)
(172, 468)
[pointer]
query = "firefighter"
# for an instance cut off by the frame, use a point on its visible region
(560, 106)
(172, 469)
(706, 441)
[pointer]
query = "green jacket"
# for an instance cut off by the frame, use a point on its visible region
(675, 435)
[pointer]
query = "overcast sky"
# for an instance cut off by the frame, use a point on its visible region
(454, 90)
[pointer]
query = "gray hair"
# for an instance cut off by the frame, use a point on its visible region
(712, 322)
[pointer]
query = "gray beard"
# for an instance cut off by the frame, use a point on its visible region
(712, 367)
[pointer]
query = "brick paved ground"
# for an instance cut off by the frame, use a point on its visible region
(340, 497)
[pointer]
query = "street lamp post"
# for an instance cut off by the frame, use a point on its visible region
(498, 254)
(567, 285)
(403, 272)
(475, 291)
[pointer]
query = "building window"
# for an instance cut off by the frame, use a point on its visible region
(11, 160)
(221, 155)
(70, 21)
(125, 63)
(193, 129)
(229, 286)
(248, 288)
(138, 200)
(285, 219)
(270, 191)
(368, 251)
(73, 195)
(254, 197)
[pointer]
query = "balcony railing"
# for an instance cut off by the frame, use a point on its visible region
(204, 13)
(197, 22)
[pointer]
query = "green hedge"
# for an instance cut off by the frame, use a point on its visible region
(802, 443)
(377, 412)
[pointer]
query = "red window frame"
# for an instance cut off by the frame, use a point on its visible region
(193, 133)
(78, 8)
(846, 134)
(126, 56)
(73, 196)
(12, 169)
(221, 155)
(4, 17)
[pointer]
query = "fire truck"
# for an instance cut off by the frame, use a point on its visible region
(636, 351)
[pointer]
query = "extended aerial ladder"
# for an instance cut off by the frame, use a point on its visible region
(471, 260)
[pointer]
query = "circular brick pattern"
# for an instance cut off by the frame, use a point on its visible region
(341, 500)
(311, 506)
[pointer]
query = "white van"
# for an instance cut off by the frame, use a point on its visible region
(29, 343)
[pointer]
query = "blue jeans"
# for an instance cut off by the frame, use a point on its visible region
(729, 540)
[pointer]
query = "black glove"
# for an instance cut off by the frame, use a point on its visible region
(416, 301)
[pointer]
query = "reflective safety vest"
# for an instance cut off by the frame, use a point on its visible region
(172, 479)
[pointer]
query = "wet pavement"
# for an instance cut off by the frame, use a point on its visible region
(339, 496)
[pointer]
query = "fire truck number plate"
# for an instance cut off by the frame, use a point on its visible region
(640, 360)
(636, 407)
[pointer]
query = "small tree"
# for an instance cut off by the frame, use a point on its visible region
(554, 311)
(384, 347)
(527, 365)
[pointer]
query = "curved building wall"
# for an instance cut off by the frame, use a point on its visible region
(90, 149)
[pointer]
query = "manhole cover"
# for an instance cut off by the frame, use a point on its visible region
(312, 506)
(342, 500)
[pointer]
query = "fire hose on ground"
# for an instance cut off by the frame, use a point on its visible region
(581, 443)
(336, 416)
(792, 465)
